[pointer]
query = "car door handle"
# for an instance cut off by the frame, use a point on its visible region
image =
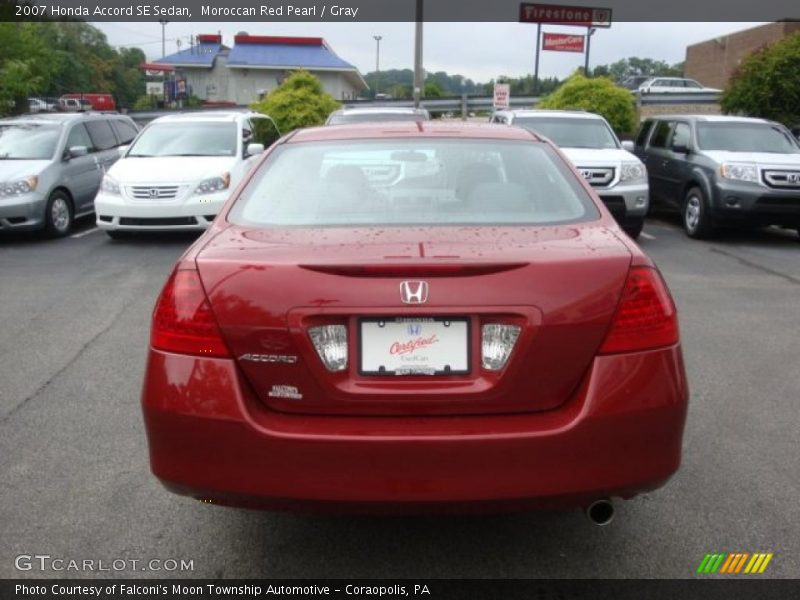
(664, 163)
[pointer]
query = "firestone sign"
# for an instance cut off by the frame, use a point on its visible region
(561, 42)
(555, 14)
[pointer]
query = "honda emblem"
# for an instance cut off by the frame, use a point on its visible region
(414, 292)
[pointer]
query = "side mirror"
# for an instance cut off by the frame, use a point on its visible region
(681, 149)
(123, 150)
(627, 145)
(253, 149)
(76, 151)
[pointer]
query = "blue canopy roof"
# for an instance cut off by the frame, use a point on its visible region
(199, 55)
(286, 55)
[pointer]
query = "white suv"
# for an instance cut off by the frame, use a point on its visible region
(179, 171)
(618, 177)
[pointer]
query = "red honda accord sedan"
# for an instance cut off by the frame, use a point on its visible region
(414, 317)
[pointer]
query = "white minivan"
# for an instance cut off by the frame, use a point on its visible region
(179, 171)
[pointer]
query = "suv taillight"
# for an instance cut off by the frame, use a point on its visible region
(182, 320)
(645, 317)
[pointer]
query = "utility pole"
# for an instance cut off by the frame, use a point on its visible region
(418, 82)
(536, 65)
(377, 39)
(163, 37)
(589, 33)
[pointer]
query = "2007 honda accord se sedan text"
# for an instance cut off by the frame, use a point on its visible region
(412, 317)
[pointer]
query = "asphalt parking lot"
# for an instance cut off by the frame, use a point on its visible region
(76, 481)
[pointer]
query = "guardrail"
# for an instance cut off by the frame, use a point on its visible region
(461, 105)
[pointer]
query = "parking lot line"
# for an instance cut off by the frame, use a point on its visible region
(647, 236)
(84, 233)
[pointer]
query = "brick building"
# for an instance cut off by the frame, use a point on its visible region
(713, 62)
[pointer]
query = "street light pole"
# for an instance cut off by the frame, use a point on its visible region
(418, 55)
(163, 37)
(589, 33)
(377, 39)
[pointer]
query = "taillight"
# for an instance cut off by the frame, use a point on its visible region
(645, 317)
(330, 342)
(497, 342)
(182, 320)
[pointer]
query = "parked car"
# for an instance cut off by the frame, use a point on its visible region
(39, 105)
(73, 105)
(179, 171)
(674, 85)
(632, 83)
(484, 335)
(618, 177)
(51, 166)
(722, 170)
(99, 102)
(369, 114)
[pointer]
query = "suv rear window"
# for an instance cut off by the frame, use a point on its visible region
(413, 182)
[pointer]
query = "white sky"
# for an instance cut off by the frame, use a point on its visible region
(479, 51)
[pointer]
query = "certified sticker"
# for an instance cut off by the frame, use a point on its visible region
(285, 391)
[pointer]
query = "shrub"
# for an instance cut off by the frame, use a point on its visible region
(599, 96)
(767, 83)
(145, 102)
(300, 101)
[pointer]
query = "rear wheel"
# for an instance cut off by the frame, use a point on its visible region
(634, 228)
(696, 220)
(58, 214)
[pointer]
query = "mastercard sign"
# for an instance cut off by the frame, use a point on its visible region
(562, 42)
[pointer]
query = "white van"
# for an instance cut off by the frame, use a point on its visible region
(179, 171)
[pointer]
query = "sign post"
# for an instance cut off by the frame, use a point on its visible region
(559, 14)
(502, 96)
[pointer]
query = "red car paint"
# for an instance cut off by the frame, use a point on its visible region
(575, 415)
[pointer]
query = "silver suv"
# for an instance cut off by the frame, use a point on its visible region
(618, 177)
(51, 166)
(719, 170)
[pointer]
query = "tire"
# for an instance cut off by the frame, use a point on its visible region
(695, 217)
(118, 235)
(634, 228)
(58, 216)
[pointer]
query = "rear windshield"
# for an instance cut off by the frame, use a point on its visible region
(28, 141)
(413, 182)
(571, 133)
(374, 117)
(745, 137)
(186, 139)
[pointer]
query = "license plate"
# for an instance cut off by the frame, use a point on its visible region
(424, 346)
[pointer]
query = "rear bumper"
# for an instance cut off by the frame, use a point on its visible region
(619, 435)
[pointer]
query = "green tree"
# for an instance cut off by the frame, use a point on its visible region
(599, 96)
(767, 83)
(433, 90)
(50, 58)
(300, 101)
(634, 65)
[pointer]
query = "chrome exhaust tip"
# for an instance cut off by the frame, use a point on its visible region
(600, 512)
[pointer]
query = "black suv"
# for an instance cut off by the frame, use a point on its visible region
(722, 170)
